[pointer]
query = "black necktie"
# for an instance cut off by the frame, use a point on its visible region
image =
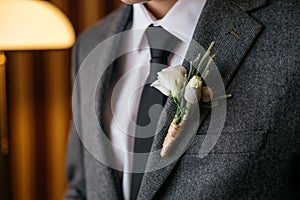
(161, 44)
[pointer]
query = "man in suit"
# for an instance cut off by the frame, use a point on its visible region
(257, 155)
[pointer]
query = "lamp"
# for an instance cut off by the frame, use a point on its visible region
(28, 25)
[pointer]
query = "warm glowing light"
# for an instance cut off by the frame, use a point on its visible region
(2, 58)
(33, 24)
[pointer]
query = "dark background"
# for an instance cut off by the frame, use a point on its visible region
(39, 111)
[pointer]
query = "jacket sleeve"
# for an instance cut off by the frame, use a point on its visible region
(74, 168)
(74, 158)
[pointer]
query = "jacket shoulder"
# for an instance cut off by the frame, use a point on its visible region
(105, 28)
(112, 24)
(289, 3)
(280, 13)
(99, 30)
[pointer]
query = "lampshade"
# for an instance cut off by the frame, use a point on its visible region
(33, 24)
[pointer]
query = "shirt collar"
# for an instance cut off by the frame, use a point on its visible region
(181, 20)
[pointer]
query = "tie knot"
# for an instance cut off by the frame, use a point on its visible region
(161, 44)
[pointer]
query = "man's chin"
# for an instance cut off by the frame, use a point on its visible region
(135, 1)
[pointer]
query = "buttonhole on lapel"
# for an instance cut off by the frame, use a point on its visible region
(235, 34)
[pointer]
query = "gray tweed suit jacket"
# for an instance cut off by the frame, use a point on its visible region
(258, 153)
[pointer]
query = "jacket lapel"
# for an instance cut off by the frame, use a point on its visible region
(119, 23)
(235, 32)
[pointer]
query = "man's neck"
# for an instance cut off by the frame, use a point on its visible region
(159, 8)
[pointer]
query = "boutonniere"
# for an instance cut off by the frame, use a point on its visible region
(187, 90)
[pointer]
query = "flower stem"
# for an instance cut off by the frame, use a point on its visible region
(179, 111)
(206, 70)
(193, 63)
(204, 58)
(223, 97)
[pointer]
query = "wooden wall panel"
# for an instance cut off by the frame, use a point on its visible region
(21, 125)
(5, 190)
(58, 114)
(39, 108)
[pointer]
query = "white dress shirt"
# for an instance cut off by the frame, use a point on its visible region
(180, 21)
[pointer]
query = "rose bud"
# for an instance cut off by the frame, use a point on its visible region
(192, 92)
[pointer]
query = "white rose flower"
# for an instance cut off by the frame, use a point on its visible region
(170, 81)
(192, 92)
